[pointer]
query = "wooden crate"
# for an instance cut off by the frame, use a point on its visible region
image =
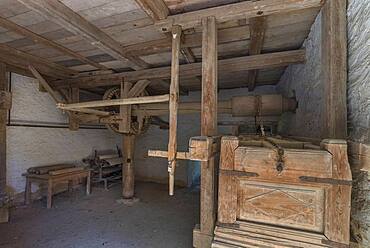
(285, 184)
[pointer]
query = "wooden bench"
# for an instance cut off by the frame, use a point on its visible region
(51, 179)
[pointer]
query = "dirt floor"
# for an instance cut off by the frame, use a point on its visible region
(98, 220)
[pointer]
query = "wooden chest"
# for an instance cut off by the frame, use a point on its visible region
(283, 186)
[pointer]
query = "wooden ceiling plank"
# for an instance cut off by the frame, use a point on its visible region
(11, 26)
(257, 27)
(156, 9)
(21, 59)
(271, 60)
(242, 10)
(72, 21)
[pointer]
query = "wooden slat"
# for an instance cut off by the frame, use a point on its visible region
(115, 102)
(334, 69)
(38, 39)
(156, 9)
(68, 19)
(257, 27)
(262, 61)
(247, 9)
(173, 106)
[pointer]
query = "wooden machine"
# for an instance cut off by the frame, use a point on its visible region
(275, 192)
(106, 168)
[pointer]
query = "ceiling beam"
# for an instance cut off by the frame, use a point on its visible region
(263, 61)
(22, 60)
(257, 28)
(38, 39)
(156, 9)
(242, 10)
(65, 17)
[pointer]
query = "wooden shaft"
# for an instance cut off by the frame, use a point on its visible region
(174, 102)
(115, 102)
(128, 173)
(264, 105)
(208, 123)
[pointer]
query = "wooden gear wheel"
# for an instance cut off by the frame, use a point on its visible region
(139, 124)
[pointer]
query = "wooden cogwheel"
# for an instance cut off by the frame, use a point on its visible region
(139, 124)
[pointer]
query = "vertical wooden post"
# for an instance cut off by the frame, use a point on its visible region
(128, 173)
(3, 120)
(338, 205)
(125, 110)
(75, 98)
(334, 68)
(208, 124)
(173, 106)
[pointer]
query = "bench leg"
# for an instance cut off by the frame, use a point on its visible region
(50, 193)
(27, 192)
(88, 184)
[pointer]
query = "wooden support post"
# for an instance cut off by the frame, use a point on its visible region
(208, 128)
(125, 110)
(338, 205)
(257, 26)
(3, 121)
(174, 103)
(128, 174)
(73, 120)
(334, 69)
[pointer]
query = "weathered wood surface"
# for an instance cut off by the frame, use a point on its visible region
(237, 11)
(156, 9)
(173, 106)
(67, 18)
(255, 235)
(115, 102)
(74, 123)
(338, 205)
(3, 122)
(261, 61)
(128, 170)
(125, 110)
(359, 156)
(311, 186)
(334, 69)
(257, 27)
(209, 123)
(40, 39)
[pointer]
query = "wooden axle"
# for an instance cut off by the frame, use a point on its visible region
(264, 105)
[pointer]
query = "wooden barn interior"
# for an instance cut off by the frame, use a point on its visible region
(184, 123)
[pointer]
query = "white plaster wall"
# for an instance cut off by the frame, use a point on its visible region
(304, 81)
(188, 126)
(358, 17)
(30, 146)
(359, 69)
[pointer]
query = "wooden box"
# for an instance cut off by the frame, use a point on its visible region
(284, 185)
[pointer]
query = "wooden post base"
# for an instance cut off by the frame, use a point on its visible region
(201, 240)
(128, 173)
(4, 215)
